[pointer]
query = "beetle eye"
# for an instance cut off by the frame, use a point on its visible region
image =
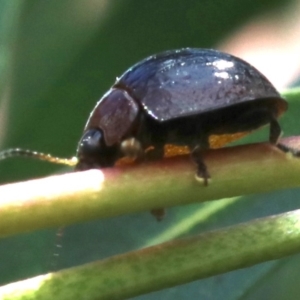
(90, 143)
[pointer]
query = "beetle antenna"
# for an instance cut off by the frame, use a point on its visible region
(37, 155)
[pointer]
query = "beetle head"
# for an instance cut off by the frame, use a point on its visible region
(92, 151)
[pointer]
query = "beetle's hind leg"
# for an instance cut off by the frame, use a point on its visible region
(275, 131)
(287, 149)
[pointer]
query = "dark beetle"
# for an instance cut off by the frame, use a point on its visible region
(198, 98)
(180, 97)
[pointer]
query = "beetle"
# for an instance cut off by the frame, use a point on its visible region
(182, 97)
(197, 98)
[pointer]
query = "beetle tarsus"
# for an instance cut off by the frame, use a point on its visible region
(202, 173)
(287, 149)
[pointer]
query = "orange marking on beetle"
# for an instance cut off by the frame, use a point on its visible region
(218, 141)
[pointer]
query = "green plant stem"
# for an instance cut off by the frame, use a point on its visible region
(168, 264)
(61, 200)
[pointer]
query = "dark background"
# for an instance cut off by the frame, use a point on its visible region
(57, 60)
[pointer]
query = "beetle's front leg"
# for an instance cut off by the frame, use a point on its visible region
(156, 154)
(132, 148)
(275, 133)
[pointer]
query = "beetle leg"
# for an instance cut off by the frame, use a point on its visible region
(202, 173)
(158, 213)
(155, 154)
(132, 147)
(287, 149)
(275, 131)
